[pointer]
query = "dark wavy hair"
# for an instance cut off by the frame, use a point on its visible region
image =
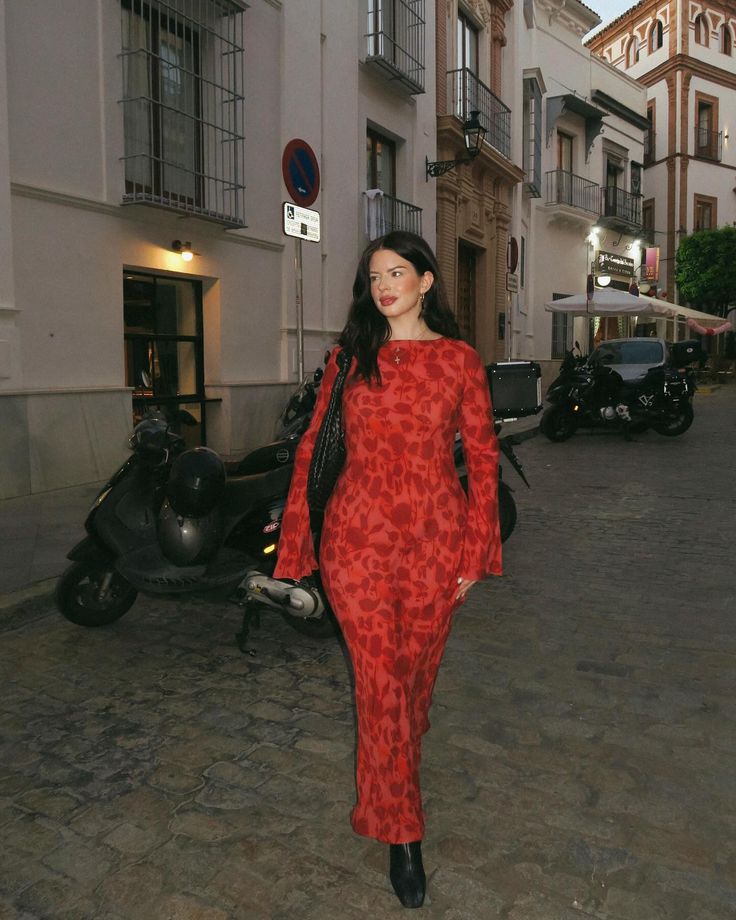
(367, 328)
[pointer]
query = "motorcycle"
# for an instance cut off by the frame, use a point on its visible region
(173, 521)
(589, 393)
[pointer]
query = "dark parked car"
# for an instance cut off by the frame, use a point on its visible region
(631, 358)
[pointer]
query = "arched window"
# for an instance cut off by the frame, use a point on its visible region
(656, 36)
(632, 51)
(701, 29)
(726, 43)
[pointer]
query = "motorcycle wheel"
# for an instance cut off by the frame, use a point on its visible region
(323, 628)
(506, 511)
(675, 424)
(78, 594)
(557, 424)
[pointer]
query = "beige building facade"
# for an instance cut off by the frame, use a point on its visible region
(474, 201)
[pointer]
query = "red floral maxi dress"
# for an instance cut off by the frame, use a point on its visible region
(398, 531)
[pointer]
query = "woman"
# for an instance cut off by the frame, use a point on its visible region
(401, 544)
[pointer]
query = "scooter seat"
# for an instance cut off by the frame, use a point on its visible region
(243, 491)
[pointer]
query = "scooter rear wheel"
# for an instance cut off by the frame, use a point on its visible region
(675, 424)
(93, 594)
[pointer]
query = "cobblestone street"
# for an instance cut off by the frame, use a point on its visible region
(580, 763)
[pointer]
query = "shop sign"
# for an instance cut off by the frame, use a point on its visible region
(608, 263)
(650, 264)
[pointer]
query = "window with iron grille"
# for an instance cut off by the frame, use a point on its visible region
(395, 40)
(183, 106)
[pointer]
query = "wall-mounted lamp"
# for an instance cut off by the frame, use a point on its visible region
(184, 250)
(474, 134)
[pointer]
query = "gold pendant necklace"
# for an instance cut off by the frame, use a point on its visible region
(398, 355)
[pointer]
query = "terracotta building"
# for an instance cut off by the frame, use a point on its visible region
(684, 53)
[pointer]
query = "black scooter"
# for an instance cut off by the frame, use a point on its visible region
(171, 522)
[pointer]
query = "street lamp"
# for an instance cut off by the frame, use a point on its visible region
(474, 135)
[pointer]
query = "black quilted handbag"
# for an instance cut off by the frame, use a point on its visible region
(329, 453)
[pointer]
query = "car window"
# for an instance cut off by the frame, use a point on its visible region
(638, 352)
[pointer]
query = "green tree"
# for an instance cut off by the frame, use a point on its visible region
(706, 269)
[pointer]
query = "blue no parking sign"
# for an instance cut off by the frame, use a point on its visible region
(300, 170)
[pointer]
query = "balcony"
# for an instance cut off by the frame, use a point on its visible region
(467, 94)
(572, 192)
(650, 147)
(620, 210)
(384, 213)
(395, 41)
(708, 144)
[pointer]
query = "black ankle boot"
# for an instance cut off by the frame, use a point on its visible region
(407, 873)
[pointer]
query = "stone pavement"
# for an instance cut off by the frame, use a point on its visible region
(580, 763)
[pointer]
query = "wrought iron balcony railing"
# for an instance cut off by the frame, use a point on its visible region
(384, 213)
(621, 205)
(650, 147)
(469, 94)
(708, 144)
(183, 107)
(395, 40)
(564, 187)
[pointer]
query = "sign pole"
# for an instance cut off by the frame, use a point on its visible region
(299, 309)
(300, 171)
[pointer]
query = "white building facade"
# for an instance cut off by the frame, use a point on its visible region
(580, 140)
(131, 130)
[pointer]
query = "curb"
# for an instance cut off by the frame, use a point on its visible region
(13, 599)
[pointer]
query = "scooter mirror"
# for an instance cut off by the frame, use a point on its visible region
(146, 379)
(318, 375)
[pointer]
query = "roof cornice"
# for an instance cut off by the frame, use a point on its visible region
(694, 66)
(619, 109)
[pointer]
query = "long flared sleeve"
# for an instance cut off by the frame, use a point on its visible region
(482, 540)
(296, 556)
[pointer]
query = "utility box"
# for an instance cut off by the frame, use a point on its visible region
(516, 388)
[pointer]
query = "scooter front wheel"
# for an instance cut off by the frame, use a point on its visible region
(91, 593)
(324, 627)
(506, 511)
(558, 424)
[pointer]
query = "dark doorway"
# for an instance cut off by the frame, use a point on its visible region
(466, 291)
(164, 355)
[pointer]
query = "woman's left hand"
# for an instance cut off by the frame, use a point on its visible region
(463, 586)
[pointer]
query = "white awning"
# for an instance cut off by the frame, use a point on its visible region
(612, 302)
